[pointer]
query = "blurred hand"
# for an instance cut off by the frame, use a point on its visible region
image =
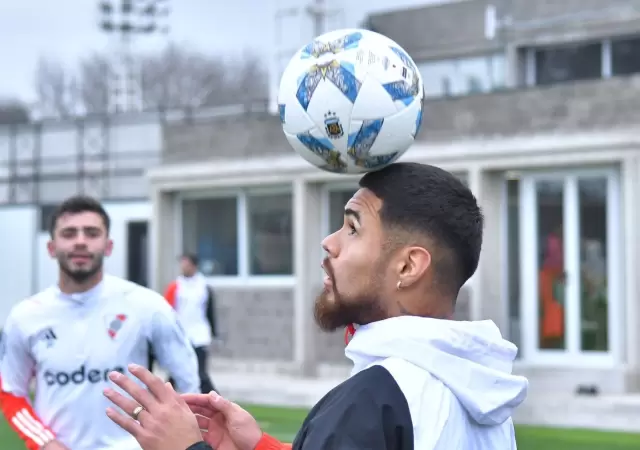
(227, 426)
(55, 445)
(165, 423)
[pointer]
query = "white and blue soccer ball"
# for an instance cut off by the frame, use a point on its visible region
(351, 101)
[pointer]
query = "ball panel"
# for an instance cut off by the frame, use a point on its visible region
(331, 117)
(398, 131)
(373, 102)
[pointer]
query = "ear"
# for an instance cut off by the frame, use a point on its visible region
(109, 248)
(414, 264)
(51, 248)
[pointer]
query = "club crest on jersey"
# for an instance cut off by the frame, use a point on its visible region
(114, 324)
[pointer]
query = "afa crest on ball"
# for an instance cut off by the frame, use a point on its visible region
(351, 101)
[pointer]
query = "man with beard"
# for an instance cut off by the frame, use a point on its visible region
(411, 239)
(70, 336)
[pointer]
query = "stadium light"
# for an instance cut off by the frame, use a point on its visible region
(124, 20)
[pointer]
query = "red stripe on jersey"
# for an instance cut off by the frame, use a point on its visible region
(24, 421)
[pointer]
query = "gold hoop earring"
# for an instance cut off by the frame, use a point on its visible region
(399, 285)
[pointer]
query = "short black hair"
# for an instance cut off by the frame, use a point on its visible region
(191, 257)
(75, 205)
(429, 201)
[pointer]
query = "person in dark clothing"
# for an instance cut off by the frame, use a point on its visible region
(411, 239)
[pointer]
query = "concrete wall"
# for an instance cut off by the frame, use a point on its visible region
(587, 105)
(255, 324)
(227, 137)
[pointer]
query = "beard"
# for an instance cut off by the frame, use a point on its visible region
(331, 314)
(80, 274)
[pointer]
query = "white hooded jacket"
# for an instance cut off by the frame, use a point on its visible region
(455, 375)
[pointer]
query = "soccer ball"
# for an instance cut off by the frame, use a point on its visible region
(351, 101)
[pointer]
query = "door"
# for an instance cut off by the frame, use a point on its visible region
(138, 252)
(571, 274)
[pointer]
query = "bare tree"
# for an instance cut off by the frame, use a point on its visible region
(12, 112)
(95, 73)
(179, 77)
(175, 77)
(56, 88)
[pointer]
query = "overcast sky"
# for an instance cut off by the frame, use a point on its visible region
(67, 30)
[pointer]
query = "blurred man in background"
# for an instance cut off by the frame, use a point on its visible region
(193, 299)
(71, 335)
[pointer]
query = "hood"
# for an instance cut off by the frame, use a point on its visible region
(470, 358)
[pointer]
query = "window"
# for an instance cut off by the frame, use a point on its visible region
(625, 56)
(463, 76)
(240, 235)
(567, 63)
(210, 230)
(270, 234)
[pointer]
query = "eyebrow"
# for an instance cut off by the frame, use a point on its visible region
(352, 212)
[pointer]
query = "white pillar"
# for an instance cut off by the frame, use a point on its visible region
(307, 257)
(630, 183)
(163, 246)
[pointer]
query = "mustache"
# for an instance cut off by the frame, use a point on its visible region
(326, 264)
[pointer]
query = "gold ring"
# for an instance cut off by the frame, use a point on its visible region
(136, 412)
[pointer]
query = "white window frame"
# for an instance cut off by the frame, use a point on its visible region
(244, 278)
(573, 356)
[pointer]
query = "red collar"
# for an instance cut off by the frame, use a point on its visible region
(348, 333)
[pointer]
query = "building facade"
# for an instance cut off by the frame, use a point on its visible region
(540, 121)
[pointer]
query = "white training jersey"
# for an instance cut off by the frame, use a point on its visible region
(191, 301)
(69, 343)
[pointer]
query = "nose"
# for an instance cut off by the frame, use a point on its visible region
(80, 240)
(331, 246)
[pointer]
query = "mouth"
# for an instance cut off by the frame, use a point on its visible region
(80, 258)
(327, 281)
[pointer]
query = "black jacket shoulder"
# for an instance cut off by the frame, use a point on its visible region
(367, 411)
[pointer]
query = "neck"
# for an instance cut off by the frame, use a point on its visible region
(436, 308)
(68, 285)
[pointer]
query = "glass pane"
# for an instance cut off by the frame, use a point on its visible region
(436, 78)
(498, 71)
(463, 76)
(270, 234)
(210, 230)
(593, 264)
(473, 76)
(580, 62)
(513, 267)
(337, 201)
(625, 56)
(551, 276)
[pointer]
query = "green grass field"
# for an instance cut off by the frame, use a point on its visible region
(284, 422)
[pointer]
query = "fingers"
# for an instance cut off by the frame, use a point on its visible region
(139, 394)
(202, 410)
(196, 399)
(124, 403)
(220, 403)
(203, 422)
(153, 382)
(125, 422)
